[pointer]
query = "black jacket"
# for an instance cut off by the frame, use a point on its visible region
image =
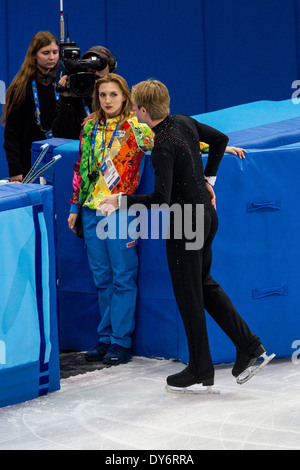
(177, 162)
(69, 116)
(21, 128)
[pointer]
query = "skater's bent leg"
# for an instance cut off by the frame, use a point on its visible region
(220, 307)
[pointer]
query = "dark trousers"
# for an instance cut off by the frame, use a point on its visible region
(196, 291)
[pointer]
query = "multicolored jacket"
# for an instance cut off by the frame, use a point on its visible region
(131, 141)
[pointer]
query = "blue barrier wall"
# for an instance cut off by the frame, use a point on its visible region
(211, 54)
(29, 361)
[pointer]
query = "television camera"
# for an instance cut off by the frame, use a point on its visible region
(81, 78)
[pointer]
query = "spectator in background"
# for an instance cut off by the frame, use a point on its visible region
(30, 103)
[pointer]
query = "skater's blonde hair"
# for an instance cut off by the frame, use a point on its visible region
(154, 97)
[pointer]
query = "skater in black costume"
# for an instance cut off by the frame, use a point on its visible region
(180, 179)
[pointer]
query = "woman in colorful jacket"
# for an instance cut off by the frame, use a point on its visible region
(112, 144)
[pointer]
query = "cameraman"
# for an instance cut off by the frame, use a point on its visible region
(71, 111)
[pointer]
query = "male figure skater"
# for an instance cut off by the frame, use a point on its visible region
(180, 179)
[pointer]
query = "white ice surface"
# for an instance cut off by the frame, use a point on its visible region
(127, 408)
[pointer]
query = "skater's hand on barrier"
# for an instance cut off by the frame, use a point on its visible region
(236, 151)
(71, 221)
(211, 195)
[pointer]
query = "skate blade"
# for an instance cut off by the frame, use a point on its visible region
(192, 391)
(251, 372)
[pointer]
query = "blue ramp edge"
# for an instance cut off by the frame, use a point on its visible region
(268, 136)
(245, 116)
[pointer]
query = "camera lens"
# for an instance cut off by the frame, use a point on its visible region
(82, 84)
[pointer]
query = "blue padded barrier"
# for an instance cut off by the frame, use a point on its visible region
(76, 294)
(29, 359)
(272, 135)
(263, 124)
(246, 116)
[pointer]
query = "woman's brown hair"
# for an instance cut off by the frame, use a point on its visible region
(16, 92)
(127, 103)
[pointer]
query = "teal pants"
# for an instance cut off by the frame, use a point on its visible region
(114, 263)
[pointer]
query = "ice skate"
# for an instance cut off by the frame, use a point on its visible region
(185, 382)
(244, 368)
(193, 390)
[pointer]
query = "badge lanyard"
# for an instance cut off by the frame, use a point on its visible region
(103, 145)
(48, 134)
(86, 108)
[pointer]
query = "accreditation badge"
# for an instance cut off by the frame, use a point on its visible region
(49, 135)
(110, 174)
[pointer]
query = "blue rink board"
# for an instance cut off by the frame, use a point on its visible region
(256, 253)
(29, 352)
(249, 115)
